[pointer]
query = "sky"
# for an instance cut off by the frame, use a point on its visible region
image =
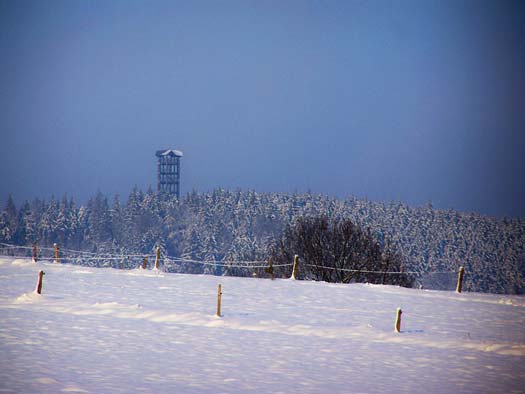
(412, 101)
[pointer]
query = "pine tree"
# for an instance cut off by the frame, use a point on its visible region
(48, 223)
(63, 221)
(26, 225)
(5, 230)
(10, 221)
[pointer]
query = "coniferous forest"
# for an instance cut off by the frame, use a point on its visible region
(245, 225)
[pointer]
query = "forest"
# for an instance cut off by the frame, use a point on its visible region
(224, 226)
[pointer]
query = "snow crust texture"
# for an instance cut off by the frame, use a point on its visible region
(99, 330)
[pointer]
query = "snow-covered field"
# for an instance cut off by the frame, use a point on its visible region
(114, 331)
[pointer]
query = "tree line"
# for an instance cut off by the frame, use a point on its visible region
(227, 225)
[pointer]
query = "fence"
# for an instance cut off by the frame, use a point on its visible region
(71, 256)
(438, 280)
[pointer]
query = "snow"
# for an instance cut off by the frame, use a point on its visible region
(96, 330)
(167, 152)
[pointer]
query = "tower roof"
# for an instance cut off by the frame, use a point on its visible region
(168, 152)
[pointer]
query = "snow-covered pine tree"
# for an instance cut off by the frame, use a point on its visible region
(26, 225)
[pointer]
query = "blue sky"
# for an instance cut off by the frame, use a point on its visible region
(414, 101)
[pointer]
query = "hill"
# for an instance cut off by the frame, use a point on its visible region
(226, 225)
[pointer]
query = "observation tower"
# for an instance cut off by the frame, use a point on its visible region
(168, 172)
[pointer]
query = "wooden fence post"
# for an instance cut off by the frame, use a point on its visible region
(34, 252)
(295, 269)
(39, 283)
(460, 279)
(219, 295)
(157, 258)
(145, 263)
(398, 320)
(55, 245)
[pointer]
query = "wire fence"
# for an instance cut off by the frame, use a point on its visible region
(442, 280)
(424, 279)
(66, 255)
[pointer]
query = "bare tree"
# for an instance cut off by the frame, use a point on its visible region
(337, 250)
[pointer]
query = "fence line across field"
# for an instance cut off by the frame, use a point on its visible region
(64, 251)
(169, 259)
(222, 264)
(70, 254)
(268, 266)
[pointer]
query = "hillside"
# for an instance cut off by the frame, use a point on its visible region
(140, 331)
(225, 225)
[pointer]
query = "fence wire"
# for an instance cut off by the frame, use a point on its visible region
(377, 272)
(79, 256)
